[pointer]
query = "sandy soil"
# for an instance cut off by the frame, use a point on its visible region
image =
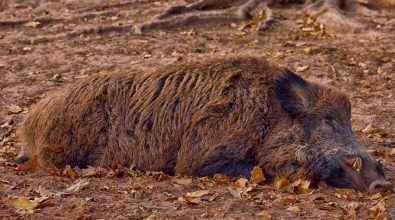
(39, 58)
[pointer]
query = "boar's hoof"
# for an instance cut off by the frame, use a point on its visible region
(380, 186)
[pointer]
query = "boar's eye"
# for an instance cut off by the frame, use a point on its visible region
(355, 163)
(328, 126)
(328, 122)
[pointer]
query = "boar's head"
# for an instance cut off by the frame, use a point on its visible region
(317, 139)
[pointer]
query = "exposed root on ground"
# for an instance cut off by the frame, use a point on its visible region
(49, 20)
(205, 12)
(100, 30)
(334, 15)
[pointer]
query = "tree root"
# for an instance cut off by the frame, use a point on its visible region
(267, 22)
(204, 12)
(47, 21)
(333, 14)
(100, 30)
(106, 6)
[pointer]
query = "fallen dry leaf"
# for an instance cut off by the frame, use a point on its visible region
(193, 31)
(257, 175)
(198, 193)
(345, 193)
(186, 199)
(250, 24)
(68, 171)
(33, 24)
(7, 124)
(294, 209)
(370, 129)
(56, 173)
(239, 192)
(14, 109)
(4, 181)
(26, 207)
(204, 182)
(235, 192)
(379, 211)
(195, 200)
(169, 196)
(79, 185)
(290, 200)
(157, 175)
(43, 192)
(241, 182)
(318, 198)
(308, 29)
(373, 152)
(151, 217)
(280, 183)
(375, 196)
(301, 187)
(182, 181)
(265, 215)
(118, 173)
(183, 199)
(23, 205)
(310, 20)
(94, 172)
(221, 179)
(302, 68)
(361, 64)
(30, 165)
(352, 207)
(279, 55)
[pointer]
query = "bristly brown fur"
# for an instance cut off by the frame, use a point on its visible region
(213, 116)
(168, 120)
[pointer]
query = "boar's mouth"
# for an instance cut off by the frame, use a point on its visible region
(363, 174)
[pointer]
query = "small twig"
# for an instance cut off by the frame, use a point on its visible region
(334, 73)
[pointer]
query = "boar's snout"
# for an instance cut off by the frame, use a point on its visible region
(380, 186)
(364, 173)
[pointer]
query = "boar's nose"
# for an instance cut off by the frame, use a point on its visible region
(380, 186)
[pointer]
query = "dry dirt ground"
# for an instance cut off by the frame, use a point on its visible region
(37, 58)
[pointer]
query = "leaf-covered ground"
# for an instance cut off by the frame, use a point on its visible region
(45, 45)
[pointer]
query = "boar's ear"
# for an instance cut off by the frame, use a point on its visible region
(296, 96)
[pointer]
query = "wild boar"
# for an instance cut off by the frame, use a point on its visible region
(219, 116)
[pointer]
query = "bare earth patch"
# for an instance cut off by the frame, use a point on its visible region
(45, 45)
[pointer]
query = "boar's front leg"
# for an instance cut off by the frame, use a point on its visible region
(226, 166)
(231, 159)
(222, 138)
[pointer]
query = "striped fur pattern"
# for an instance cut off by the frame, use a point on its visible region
(213, 116)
